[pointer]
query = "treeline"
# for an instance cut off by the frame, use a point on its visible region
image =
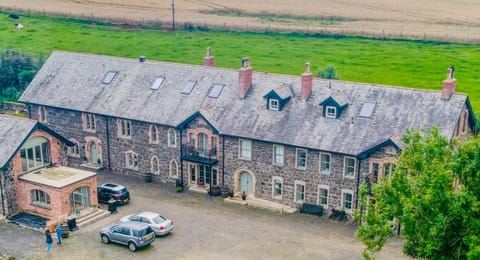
(16, 71)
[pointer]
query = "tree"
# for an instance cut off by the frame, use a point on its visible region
(16, 72)
(328, 73)
(434, 194)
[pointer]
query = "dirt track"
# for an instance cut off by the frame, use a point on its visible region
(456, 20)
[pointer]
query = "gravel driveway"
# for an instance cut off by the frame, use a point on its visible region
(205, 227)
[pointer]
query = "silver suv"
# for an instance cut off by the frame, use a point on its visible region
(131, 234)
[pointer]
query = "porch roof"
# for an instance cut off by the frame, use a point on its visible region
(57, 176)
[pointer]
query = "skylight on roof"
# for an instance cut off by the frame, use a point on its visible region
(187, 89)
(216, 90)
(367, 109)
(157, 83)
(109, 77)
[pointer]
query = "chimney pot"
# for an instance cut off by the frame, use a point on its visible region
(142, 58)
(209, 60)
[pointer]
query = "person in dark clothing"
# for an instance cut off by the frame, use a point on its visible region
(58, 230)
(48, 240)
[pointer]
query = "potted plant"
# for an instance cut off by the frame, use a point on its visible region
(99, 162)
(244, 195)
(179, 188)
(84, 159)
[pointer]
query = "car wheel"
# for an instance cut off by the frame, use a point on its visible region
(105, 239)
(132, 246)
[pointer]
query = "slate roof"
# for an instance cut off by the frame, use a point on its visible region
(13, 132)
(74, 81)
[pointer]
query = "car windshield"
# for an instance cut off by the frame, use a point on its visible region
(158, 219)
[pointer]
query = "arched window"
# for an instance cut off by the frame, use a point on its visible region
(172, 137)
(42, 114)
(154, 165)
(153, 134)
(131, 160)
(173, 171)
(40, 198)
(35, 153)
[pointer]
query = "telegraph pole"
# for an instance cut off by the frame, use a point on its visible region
(173, 15)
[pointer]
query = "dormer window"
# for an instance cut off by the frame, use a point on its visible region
(331, 112)
(273, 104)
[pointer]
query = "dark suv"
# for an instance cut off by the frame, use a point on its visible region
(114, 191)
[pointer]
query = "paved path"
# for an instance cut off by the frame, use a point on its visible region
(206, 228)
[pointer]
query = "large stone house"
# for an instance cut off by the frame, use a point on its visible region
(281, 138)
(33, 175)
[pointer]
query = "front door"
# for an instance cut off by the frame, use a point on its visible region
(94, 153)
(79, 199)
(246, 182)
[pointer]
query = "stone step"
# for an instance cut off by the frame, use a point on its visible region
(91, 217)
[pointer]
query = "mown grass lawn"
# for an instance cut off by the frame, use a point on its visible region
(390, 62)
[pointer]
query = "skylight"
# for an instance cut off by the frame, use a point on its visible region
(109, 77)
(367, 109)
(187, 89)
(157, 83)
(216, 90)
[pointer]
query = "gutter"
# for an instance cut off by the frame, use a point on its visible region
(358, 183)
(108, 145)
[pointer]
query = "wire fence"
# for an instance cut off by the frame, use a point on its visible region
(336, 31)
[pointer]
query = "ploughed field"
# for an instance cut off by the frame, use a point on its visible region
(451, 20)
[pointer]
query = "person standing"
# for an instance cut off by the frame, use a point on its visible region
(48, 240)
(59, 234)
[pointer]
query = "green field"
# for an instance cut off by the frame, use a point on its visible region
(388, 62)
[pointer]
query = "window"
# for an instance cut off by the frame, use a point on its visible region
(278, 155)
(349, 170)
(157, 83)
(214, 177)
(216, 90)
(35, 153)
(375, 172)
(187, 89)
(388, 169)
(40, 198)
(325, 163)
(74, 150)
(192, 140)
(301, 159)
(214, 146)
(299, 192)
(153, 136)
(331, 112)
(131, 160)
(273, 104)
(124, 128)
(173, 169)
(154, 166)
(347, 199)
(42, 114)
(172, 138)
(245, 149)
(88, 122)
(203, 144)
(108, 78)
(277, 188)
(323, 196)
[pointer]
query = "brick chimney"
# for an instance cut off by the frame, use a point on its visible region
(449, 84)
(245, 74)
(307, 81)
(209, 60)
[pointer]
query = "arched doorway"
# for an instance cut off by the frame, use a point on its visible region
(94, 153)
(246, 182)
(80, 199)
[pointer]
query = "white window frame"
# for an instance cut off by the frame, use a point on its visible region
(277, 147)
(124, 128)
(172, 137)
(319, 198)
(35, 153)
(152, 165)
(131, 160)
(299, 183)
(320, 157)
(297, 159)
(274, 180)
(245, 153)
(273, 104)
(344, 191)
(89, 122)
(332, 113)
(173, 169)
(345, 175)
(153, 135)
(40, 198)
